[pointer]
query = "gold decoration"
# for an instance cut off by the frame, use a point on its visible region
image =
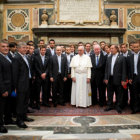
(135, 19)
(18, 20)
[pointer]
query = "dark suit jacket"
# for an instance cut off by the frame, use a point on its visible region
(39, 67)
(97, 72)
(36, 51)
(127, 61)
(5, 75)
(48, 52)
(54, 67)
(69, 68)
(131, 66)
(119, 71)
(20, 74)
(32, 65)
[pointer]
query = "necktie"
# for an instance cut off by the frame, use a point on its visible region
(97, 60)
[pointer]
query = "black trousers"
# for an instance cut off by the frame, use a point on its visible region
(118, 89)
(22, 103)
(136, 93)
(100, 87)
(44, 84)
(58, 89)
(5, 110)
(67, 90)
(32, 91)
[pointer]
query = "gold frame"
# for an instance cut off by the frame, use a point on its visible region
(71, 21)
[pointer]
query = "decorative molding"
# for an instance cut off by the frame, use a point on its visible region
(133, 22)
(18, 20)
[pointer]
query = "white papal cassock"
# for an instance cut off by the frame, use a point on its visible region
(81, 90)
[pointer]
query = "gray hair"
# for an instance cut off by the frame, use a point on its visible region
(96, 46)
(20, 44)
(82, 47)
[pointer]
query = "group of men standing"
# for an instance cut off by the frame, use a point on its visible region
(65, 76)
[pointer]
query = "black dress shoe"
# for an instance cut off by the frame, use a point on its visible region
(55, 104)
(63, 104)
(108, 109)
(21, 124)
(30, 111)
(3, 129)
(10, 122)
(26, 119)
(119, 110)
(47, 105)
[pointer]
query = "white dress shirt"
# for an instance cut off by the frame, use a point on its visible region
(114, 57)
(43, 58)
(136, 56)
(87, 53)
(59, 62)
(52, 51)
(125, 54)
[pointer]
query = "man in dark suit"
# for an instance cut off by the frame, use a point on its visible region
(11, 54)
(115, 78)
(134, 77)
(30, 57)
(41, 62)
(58, 75)
(13, 49)
(72, 49)
(5, 86)
(88, 49)
(68, 83)
(22, 76)
(126, 53)
(51, 51)
(97, 75)
(41, 43)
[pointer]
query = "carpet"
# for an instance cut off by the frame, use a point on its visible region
(69, 110)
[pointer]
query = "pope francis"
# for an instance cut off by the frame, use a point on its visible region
(81, 75)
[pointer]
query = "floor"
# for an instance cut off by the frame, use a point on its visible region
(107, 127)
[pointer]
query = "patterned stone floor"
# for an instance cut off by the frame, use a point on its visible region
(108, 127)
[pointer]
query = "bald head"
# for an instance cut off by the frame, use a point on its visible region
(58, 50)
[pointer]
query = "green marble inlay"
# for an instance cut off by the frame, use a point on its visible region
(27, 28)
(10, 29)
(17, 37)
(137, 35)
(26, 11)
(129, 10)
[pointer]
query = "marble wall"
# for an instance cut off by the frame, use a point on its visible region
(17, 23)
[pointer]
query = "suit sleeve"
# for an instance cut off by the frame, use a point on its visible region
(106, 70)
(124, 69)
(2, 86)
(37, 68)
(48, 67)
(66, 68)
(129, 68)
(15, 70)
(51, 67)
